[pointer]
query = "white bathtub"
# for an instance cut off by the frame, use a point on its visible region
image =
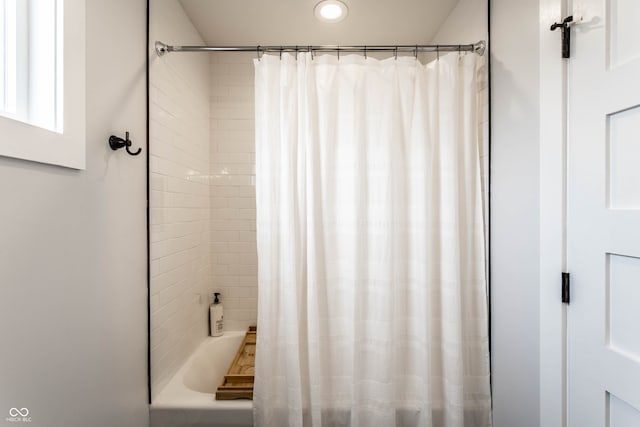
(188, 400)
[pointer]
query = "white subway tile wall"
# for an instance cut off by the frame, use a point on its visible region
(179, 195)
(234, 260)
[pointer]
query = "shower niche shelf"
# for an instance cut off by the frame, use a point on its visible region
(238, 382)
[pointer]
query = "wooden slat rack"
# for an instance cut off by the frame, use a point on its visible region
(238, 382)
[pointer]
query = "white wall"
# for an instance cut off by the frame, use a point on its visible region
(73, 293)
(514, 198)
(233, 217)
(467, 23)
(179, 199)
(515, 207)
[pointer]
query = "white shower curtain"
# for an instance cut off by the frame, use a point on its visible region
(372, 305)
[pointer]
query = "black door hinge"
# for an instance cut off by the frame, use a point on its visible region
(566, 35)
(566, 288)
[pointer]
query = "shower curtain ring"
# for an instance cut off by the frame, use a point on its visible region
(338, 52)
(280, 53)
(396, 53)
(416, 52)
(258, 52)
(438, 52)
(365, 52)
(296, 52)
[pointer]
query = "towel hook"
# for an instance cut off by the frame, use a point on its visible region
(116, 143)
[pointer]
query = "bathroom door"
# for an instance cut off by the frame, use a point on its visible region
(604, 215)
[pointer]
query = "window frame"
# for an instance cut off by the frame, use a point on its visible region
(66, 148)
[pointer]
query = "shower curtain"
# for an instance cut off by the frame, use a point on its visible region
(372, 298)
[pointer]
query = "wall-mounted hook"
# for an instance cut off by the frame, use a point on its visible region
(116, 143)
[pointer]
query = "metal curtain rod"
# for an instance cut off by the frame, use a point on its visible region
(478, 47)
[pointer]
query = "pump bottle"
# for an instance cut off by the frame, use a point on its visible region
(216, 316)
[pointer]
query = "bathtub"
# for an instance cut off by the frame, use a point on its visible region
(188, 399)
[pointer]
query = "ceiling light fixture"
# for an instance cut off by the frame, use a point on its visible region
(331, 11)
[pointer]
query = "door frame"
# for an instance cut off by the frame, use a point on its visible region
(553, 207)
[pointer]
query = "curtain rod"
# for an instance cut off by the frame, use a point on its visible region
(478, 48)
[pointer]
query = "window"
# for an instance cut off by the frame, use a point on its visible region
(42, 81)
(31, 62)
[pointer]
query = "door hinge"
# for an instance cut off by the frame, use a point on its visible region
(566, 288)
(565, 25)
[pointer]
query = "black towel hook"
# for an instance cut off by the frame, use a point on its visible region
(116, 143)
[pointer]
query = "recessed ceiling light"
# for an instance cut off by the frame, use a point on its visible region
(331, 11)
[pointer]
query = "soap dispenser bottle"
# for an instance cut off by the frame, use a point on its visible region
(216, 316)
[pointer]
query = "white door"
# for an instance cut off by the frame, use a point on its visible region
(604, 215)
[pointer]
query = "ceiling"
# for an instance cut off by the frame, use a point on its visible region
(292, 22)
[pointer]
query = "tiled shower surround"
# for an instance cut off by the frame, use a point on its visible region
(202, 199)
(202, 178)
(180, 207)
(234, 260)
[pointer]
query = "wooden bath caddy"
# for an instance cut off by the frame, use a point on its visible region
(238, 383)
